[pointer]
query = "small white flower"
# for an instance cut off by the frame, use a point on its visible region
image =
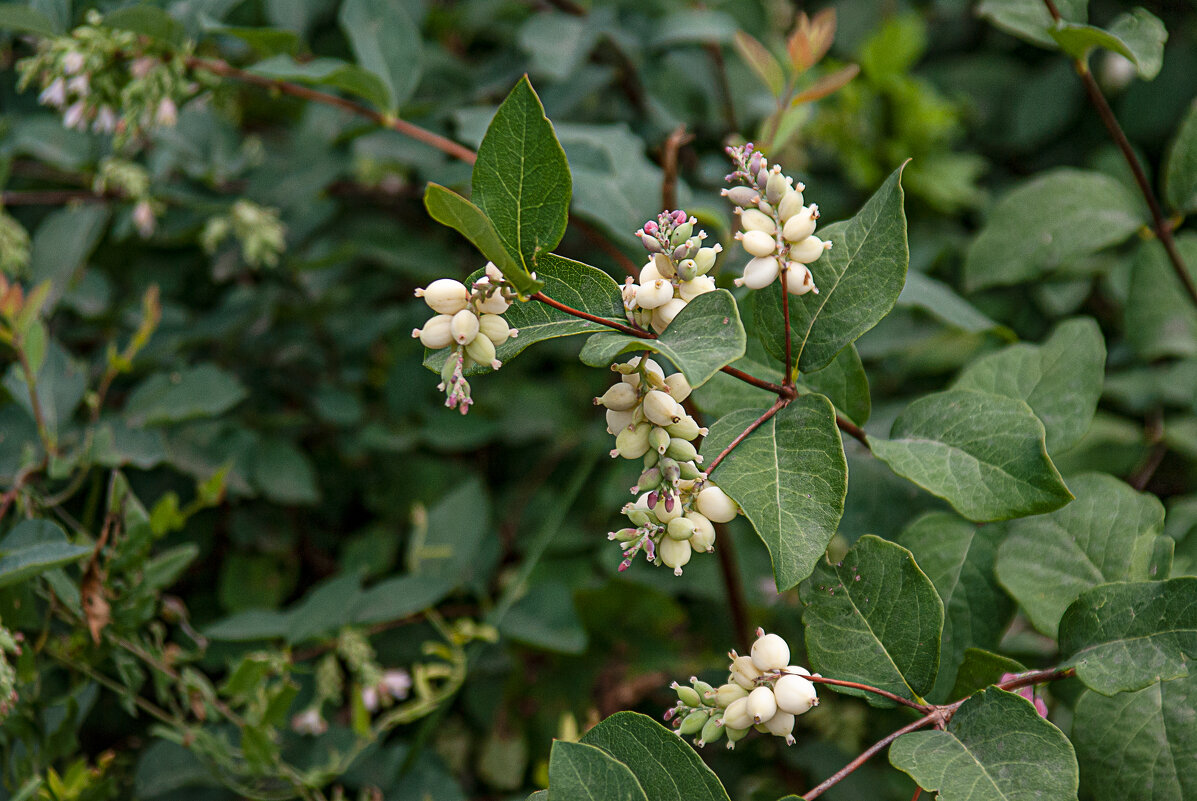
(396, 683)
(72, 62)
(54, 94)
(106, 121)
(144, 219)
(74, 116)
(167, 114)
(309, 722)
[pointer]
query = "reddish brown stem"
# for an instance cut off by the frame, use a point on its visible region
(669, 166)
(1159, 224)
(441, 143)
(52, 197)
(871, 689)
(868, 754)
(780, 404)
(1037, 677)
(852, 430)
(787, 376)
(776, 389)
(556, 304)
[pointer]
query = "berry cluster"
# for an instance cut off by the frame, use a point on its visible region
(470, 321)
(778, 231)
(762, 691)
(675, 274)
(674, 515)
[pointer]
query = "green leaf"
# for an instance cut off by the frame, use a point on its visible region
(546, 618)
(762, 62)
(1144, 35)
(981, 668)
(447, 546)
(1126, 636)
(558, 43)
(958, 557)
(1141, 742)
(1159, 318)
(62, 245)
(697, 26)
(325, 608)
(705, 336)
(859, 281)
(146, 20)
(32, 548)
(1078, 40)
(984, 454)
(386, 42)
(580, 772)
(451, 209)
(201, 391)
(666, 767)
(789, 476)
(874, 617)
(937, 299)
(1029, 20)
(284, 474)
(1057, 217)
(845, 384)
(265, 42)
(400, 596)
(521, 179)
(22, 19)
(1105, 535)
(1061, 380)
(327, 72)
(254, 624)
(1180, 174)
(996, 748)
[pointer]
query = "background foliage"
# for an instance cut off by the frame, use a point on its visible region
(247, 430)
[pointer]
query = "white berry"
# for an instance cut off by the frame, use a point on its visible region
(718, 508)
(445, 295)
(762, 704)
(795, 694)
(770, 652)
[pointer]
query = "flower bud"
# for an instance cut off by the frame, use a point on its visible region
(687, 695)
(658, 439)
(700, 686)
(762, 704)
(632, 443)
(661, 409)
(650, 242)
(714, 504)
(703, 539)
(444, 295)
(727, 693)
(744, 672)
(808, 250)
(654, 293)
(681, 233)
(619, 420)
(799, 280)
(669, 508)
(795, 694)
(674, 553)
(759, 273)
(734, 736)
(758, 243)
(494, 328)
(619, 397)
(736, 715)
(680, 528)
(704, 259)
(482, 350)
(651, 457)
(649, 478)
(770, 652)
(694, 722)
(437, 333)
(753, 220)
(663, 265)
(776, 186)
(663, 315)
(782, 725)
(686, 428)
(640, 517)
(801, 225)
(624, 534)
(711, 731)
(742, 196)
(464, 327)
(649, 273)
(789, 205)
(687, 270)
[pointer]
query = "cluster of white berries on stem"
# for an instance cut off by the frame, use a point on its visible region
(763, 691)
(469, 321)
(778, 231)
(675, 274)
(678, 505)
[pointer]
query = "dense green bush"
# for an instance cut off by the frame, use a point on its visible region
(245, 551)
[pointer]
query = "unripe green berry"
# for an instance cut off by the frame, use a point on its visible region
(687, 270)
(703, 539)
(727, 693)
(711, 731)
(694, 722)
(482, 350)
(632, 443)
(674, 553)
(689, 471)
(680, 528)
(704, 259)
(494, 328)
(686, 428)
(620, 397)
(776, 187)
(682, 450)
(700, 686)
(658, 439)
(661, 409)
(678, 386)
(681, 234)
(687, 695)
(663, 265)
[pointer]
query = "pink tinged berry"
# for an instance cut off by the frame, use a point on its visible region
(795, 694)
(445, 296)
(437, 333)
(464, 327)
(770, 652)
(759, 273)
(799, 280)
(759, 243)
(762, 705)
(808, 250)
(651, 227)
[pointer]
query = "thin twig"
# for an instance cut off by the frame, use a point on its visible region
(669, 153)
(39, 419)
(725, 91)
(776, 389)
(1159, 223)
(53, 197)
(868, 754)
(556, 304)
(777, 406)
(870, 689)
(852, 430)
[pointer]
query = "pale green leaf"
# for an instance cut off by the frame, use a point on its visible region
(1144, 35)
(937, 299)
(982, 453)
(762, 62)
(789, 476)
(22, 19)
(874, 617)
(981, 668)
(1029, 20)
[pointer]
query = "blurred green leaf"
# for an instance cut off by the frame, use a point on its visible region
(201, 391)
(1144, 35)
(981, 668)
(1029, 20)
(22, 19)
(32, 548)
(386, 42)
(762, 62)
(937, 299)
(284, 474)
(147, 20)
(327, 72)
(845, 384)
(546, 618)
(1180, 173)
(62, 244)
(874, 617)
(790, 478)
(1160, 318)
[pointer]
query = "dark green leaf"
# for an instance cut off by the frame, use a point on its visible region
(982, 453)
(1029, 20)
(329, 72)
(1054, 218)
(875, 618)
(958, 557)
(937, 299)
(546, 618)
(1106, 534)
(1180, 175)
(666, 767)
(723, 393)
(386, 42)
(22, 19)
(455, 527)
(325, 608)
(996, 748)
(1060, 380)
(1126, 636)
(790, 478)
(859, 281)
(845, 384)
(398, 597)
(1160, 318)
(284, 474)
(146, 20)
(981, 668)
(695, 26)
(255, 624)
(62, 244)
(580, 772)
(521, 179)
(201, 391)
(164, 569)
(1140, 744)
(451, 209)
(705, 336)
(32, 548)
(264, 41)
